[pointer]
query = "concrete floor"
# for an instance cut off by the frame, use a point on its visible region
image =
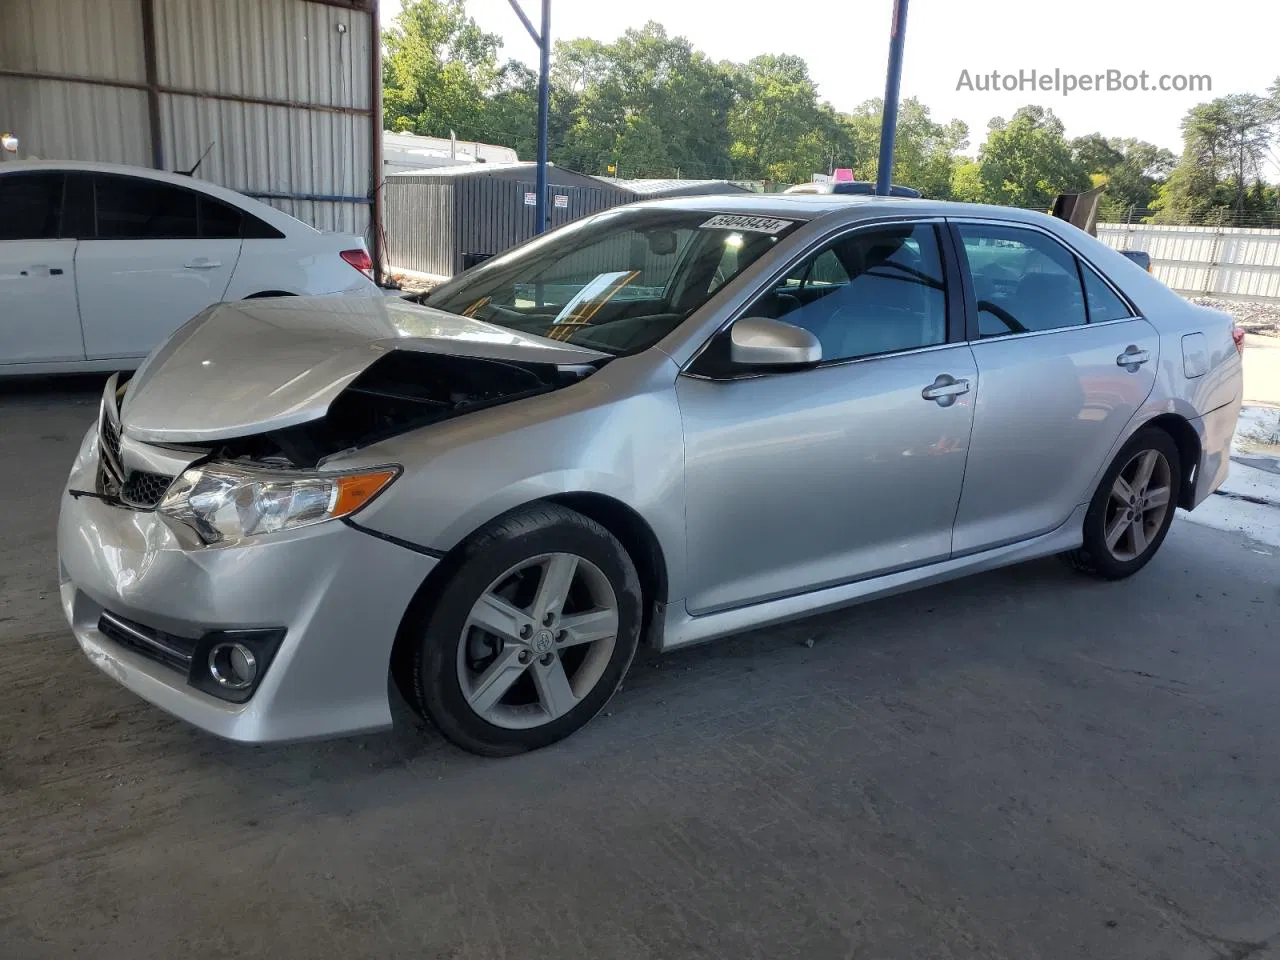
(1024, 764)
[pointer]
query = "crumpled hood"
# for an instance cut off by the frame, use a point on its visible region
(261, 365)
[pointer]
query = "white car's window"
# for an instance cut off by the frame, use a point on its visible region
(219, 221)
(619, 282)
(1103, 303)
(130, 208)
(1023, 281)
(30, 205)
(870, 292)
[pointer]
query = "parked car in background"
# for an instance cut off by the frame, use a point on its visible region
(856, 188)
(1140, 257)
(100, 262)
(679, 419)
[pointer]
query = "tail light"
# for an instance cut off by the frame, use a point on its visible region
(360, 259)
(1237, 334)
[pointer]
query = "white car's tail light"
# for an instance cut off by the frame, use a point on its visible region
(226, 503)
(360, 259)
(1237, 334)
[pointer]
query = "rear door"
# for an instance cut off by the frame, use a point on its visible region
(159, 256)
(39, 319)
(1064, 363)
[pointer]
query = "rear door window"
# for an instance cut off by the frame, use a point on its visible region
(1023, 280)
(1103, 303)
(131, 208)
(218, 220)
(30, 205)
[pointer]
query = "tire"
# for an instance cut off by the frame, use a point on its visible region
(1106, 514)
(503, 574)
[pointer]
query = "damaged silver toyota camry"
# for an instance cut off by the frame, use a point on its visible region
(671, 421)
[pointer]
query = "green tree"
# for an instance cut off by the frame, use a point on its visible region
(1027, 162)
(1225, 146)
(1132, 170)
(780, 133)
(925, 153)
(437, 70)
(966, 183)
(648, 104)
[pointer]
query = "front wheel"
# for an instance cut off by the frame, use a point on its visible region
(531, 635)
(1132, 509)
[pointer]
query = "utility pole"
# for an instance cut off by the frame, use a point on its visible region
(543, 39)
(889, 121)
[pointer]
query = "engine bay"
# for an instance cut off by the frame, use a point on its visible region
(402, 391)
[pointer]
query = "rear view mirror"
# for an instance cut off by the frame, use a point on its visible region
(762, 342)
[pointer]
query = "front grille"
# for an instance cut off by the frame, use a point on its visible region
(135, 488)
(111, 437)
(145, 490)
(172, 651)
(110, 471)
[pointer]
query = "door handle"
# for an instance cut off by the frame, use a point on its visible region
(945, 389)
(1132, 358)
(40, 270)
(202, 263)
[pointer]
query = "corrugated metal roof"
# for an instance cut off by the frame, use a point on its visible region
(464, 169)
(653, 187)
(508, 171)
(404, 149)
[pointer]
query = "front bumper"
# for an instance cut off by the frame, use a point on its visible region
(338, 593)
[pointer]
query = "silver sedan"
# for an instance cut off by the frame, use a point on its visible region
(669, 422)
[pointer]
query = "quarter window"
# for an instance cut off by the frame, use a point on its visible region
(1023, 280)
(30, 205)
(870, 292)
(1103, 303)
(219, 221)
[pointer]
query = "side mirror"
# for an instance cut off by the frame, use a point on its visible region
(762, 342)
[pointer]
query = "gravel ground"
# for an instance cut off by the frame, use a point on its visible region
(1025, 764)
(1258, 318)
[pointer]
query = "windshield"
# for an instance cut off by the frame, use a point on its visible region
(617, 283)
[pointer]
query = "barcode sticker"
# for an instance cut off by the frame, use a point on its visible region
(730, 221)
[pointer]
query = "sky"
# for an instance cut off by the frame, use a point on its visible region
(1234, 42)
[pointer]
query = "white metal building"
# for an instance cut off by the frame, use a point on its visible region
(284, 95)
(405, 152)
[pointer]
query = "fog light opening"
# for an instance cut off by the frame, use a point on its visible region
(233, 666)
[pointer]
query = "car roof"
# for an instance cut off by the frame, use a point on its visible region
(264, 211)
(847, 207)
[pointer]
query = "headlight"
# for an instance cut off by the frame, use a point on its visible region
(225, 503)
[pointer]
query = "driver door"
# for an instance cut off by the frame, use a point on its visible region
(852, 469)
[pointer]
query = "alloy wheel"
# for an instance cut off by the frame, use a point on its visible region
(537, 641)
(1140, 498)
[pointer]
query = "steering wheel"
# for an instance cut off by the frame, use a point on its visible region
(1003, 315)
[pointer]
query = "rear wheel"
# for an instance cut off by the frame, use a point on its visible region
(1132, 509)
(531, 635)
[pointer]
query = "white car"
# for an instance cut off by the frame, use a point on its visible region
(100, 262)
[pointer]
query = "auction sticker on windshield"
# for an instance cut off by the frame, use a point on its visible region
(728, 221)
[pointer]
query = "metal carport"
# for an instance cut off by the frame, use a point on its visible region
(285, 95)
